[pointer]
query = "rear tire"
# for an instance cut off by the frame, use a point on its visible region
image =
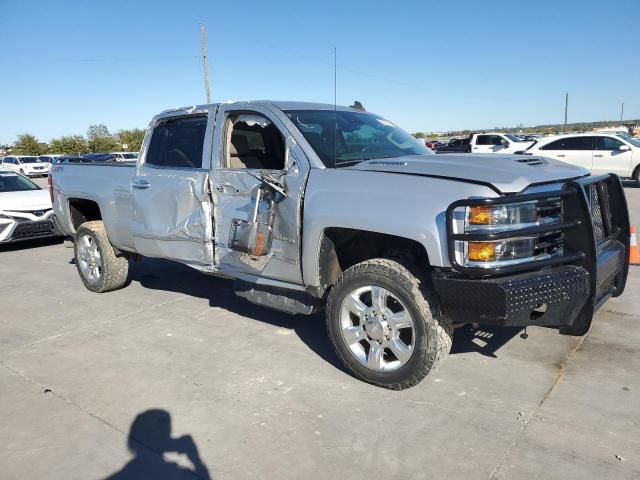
(636, 176)
(99, 267)
(383, 325)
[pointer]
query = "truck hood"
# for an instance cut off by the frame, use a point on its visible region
(506, 173)
(25, 201)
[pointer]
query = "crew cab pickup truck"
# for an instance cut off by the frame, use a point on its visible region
(497, 142)
(311, 206)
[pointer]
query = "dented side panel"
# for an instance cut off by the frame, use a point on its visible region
(234, 192)
(173, 216)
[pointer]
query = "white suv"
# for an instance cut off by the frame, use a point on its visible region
(597, 151)
(28, 165)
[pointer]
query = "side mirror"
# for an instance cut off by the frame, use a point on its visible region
(504, 143)
(624, 148)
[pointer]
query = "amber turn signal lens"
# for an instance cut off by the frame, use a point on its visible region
(480, 215)
(481, 251)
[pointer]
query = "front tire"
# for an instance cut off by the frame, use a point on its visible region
(636, 176)
(99, 267)
(384, 326)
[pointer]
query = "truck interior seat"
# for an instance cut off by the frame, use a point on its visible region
(240, 155)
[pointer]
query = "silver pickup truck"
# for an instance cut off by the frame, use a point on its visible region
(311, 206)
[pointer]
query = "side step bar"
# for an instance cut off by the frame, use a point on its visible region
(285, 300)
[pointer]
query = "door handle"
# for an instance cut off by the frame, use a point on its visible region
(226, 188)
(562, 155)
(598, 156)
(140, 184)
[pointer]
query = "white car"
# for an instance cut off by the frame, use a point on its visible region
(25, 209)
(598, 152)
(497, 142)
(50, 158)
(124, 156)
(28, 165)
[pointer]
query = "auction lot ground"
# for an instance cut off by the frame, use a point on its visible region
(262, 394)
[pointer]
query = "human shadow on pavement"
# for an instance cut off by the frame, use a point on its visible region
(149, 440)
(170, 276)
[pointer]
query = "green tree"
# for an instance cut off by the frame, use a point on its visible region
(99, 139)
(131, 138)
(419, 135)
(27, 144)
(74, 144)
(56, 145)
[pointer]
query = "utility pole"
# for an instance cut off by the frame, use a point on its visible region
(621, 112)
(335, 77)
(203, 41)
(566, 109)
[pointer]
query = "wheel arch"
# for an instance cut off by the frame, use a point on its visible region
(83, 210)
(340, 248)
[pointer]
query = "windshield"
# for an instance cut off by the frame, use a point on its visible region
(515, 138)
(29, 160)
(12, 182)
(342, 138)
(628, 138)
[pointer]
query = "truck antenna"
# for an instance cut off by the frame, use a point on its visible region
(203, 44)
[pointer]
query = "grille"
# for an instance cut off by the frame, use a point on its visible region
(32, 229)
(600, 215)
(550, 243)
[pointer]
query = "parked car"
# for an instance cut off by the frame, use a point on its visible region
(49, 158)
(455, 145)
(72, 159)
(597, 152)
(125, 156)
(25, 209)
(98, 157)
(496, 142)
(28, 165)
(311, 206)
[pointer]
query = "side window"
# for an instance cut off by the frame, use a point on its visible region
(607, 143)
(483, 140)
(496, 140)
(557, 145)
(178, 142)
(253, 141)
(578, 143)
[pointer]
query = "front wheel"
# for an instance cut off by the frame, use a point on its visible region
(100, 268)
(636, 175)
(383, 326)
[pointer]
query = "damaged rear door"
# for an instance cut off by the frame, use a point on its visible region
(257, 190)
(171, 202)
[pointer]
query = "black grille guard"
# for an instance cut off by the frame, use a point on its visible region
(579, 244)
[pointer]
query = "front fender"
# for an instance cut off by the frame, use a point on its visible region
(404, 205)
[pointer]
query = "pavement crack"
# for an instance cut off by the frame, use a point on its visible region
(527, 420)
(85, 327)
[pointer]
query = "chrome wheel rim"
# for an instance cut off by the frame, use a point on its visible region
(89, 259)
(378, 328)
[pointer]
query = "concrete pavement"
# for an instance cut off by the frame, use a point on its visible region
(252, 393)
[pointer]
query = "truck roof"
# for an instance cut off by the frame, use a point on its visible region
(280, 104)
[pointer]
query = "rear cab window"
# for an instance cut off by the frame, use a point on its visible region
(178, 142)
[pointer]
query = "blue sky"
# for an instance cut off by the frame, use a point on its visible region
(425, 65)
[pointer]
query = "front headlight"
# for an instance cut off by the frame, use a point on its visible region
(495, 235)
(497, 216)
